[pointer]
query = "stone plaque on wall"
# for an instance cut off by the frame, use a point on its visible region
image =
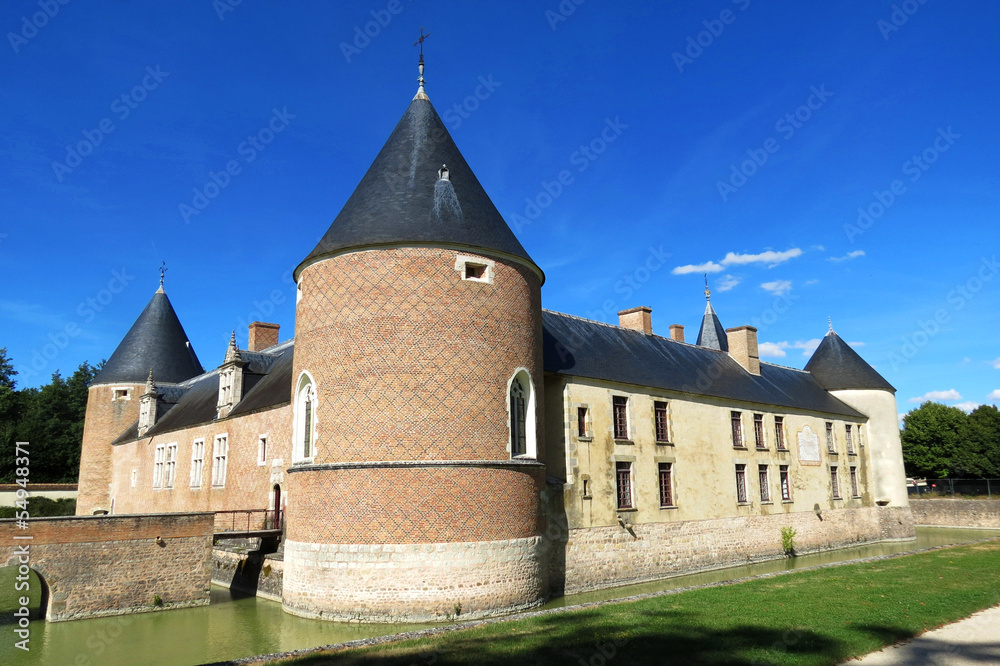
(808, 447)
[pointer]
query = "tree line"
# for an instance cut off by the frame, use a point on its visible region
(941, 442)
(49, 418)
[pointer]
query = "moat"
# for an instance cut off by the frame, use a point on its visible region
(236, 625)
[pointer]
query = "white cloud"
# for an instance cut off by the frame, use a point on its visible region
(994, 395)
(727, 283)
(937, 396)
(707, 267)
(771, 350)
(811, 281)
(850, 255)
(966, 406)
(996, 364)
(769, 257)
(778, 287)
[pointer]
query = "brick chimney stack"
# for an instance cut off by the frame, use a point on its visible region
(677, 332)
(638, 319)
(262, 336)
(743, 347)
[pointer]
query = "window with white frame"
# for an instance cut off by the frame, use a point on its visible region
(661, 422)
(170, 465)
(135, 477)
(786, 484)
(262, 450)
(305, 419)
(741, 483)
(220, 454)
(521, 415)
(779, 433)
(623, 479)
(736, 421)
(123, 393)
(476, 269)
(197, 462)
(159, 454)
(619, 411)
(849, 438)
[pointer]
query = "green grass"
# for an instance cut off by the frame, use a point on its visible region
(813, 617)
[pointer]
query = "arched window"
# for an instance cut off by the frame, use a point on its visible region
(305, 419)
(521, 411)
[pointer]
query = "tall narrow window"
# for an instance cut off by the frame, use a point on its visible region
(854, 482)
(834, 483)
(518, 429)
(758, 431)
(849, 438)
(262, 450)
(737, 423)
(741, 484)
(307, 429)
(304, 435)
(786, 483)
(779, 433)
(220, 455)
(623, 473)
(765, 487)
(158, 458)
(197, 462)
(660, 419)
(170, 466)
(620, 407)
(666, 484)
(581, 421)
(831, 446)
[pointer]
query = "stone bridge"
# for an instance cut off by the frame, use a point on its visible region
(111, 565)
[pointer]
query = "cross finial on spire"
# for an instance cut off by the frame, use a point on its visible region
(163, 270)
(830, 321)
(420, 66)
(708, 292)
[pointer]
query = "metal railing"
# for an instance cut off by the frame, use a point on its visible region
(249, 520)
(953, 488)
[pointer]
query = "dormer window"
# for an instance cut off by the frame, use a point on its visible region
(145, 414)
(475, 269)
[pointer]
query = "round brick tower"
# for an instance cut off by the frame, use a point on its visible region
(414, 490)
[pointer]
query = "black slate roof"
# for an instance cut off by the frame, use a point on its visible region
(712, 335)
(156, 341)
(836, 367)
(401, 198)
(584, 348)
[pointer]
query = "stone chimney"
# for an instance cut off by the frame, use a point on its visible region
(262, 336)
(638, 319)
(743, 347)
(677, 332)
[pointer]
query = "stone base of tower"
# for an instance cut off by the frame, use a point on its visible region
(413, 582)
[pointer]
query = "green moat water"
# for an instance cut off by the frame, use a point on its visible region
(236, 625)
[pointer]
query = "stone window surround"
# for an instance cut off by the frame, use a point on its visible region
(170, 466)
(669, 441)
(737, 462)
(530, 424)
(589, 422)
(121, 393)
(672, 460)
(159, 457)
(628, 417)
(834, 487)
(197, 462)
(733, 416)
(463, 262)
(220, 460)
(305, 385)
(262, 450)
(631, 460)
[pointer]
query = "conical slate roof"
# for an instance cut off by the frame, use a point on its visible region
(156, 342)
(405, 197)
(836, 367)
(711, 334)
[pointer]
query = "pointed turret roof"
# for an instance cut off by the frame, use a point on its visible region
(156, 343)
(711, 335)
(419, 189)
(836, 367)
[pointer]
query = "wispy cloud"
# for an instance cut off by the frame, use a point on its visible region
(727, 283)
(778, 287)
(996, 364)
(707, 267)
(937, 396)
(778, 349)
(994, 395)
(769, 257)
(849, 255)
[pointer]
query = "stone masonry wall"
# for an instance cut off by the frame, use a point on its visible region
(110, 565)
(956, 512)
(413, 582)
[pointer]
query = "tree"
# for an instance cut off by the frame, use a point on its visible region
(984, 425)
(936, 442)
(9, 409)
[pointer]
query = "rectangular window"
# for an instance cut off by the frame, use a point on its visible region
(581, 421)
(831, 446)
(620, 406)
(741, 484)
(197, 462)
(860, 443)
(135, 477)
(834, 483)
(122, 394)
(848, 437)
(262, 450)
(758, 431)
(623, 472)
(854, 482)
(666, 484)
(170, 468)
(220, 453)
(158, 457)
(786, 483)
(660, 419)
(765, 487)
(779, 433)
(737, 423)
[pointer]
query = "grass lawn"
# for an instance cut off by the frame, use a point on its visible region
(812, 617)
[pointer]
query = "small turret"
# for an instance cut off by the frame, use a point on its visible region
(711, 335)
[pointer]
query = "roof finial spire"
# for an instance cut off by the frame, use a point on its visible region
(708, 292)
(420, 80)
(163, 269)
(830, 321)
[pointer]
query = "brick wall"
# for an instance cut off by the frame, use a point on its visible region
(109, 565)
(105, 420)
(956, 512)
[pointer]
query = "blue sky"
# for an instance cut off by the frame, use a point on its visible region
(815, 159)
